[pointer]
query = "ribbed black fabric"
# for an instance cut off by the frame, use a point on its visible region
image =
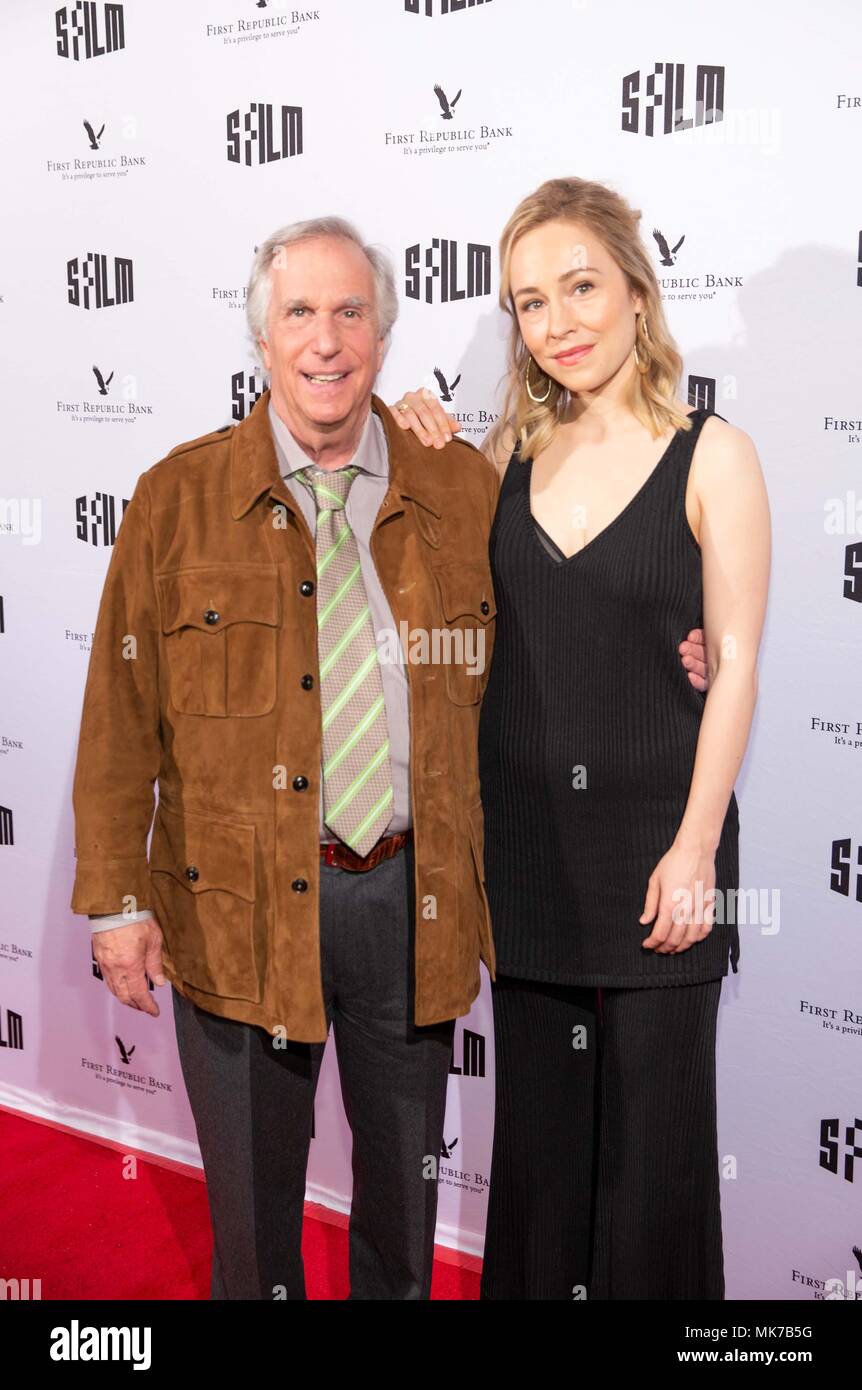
(604, 1172)
(586, 673)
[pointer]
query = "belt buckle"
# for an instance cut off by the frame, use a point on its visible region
(329, 856)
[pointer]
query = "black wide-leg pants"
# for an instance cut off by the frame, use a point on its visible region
(604, 1176)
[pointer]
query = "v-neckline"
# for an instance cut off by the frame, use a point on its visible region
(567, 559)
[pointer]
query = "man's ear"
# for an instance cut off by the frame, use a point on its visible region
(381, 352)
(264, 347)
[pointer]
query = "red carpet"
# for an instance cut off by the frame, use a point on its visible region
(94, 1222)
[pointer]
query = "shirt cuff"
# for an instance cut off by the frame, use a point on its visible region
(104, 921)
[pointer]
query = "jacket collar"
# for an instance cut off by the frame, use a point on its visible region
(254, 467)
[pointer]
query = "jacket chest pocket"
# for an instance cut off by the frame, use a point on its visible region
(220, 630)
(468, 608)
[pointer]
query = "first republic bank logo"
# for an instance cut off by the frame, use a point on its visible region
(89, 30)
(665, 94)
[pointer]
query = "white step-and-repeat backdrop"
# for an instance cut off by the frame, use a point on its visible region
(147, 148)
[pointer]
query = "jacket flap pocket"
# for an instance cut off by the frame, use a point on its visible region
(204, 853)
(465, 590)
(212, 597)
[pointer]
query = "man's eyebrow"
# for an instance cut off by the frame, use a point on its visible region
(354, 301)
(567, 275)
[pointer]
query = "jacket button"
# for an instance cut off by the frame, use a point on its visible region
(211, 615)
(485, 606)
(192, 872)
(306, 588)
(299, 885)
(307, 682)
(300, 783)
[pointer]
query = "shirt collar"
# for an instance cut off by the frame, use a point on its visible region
(371, 455)
(254, 463)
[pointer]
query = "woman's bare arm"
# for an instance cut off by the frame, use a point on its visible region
(734, 536)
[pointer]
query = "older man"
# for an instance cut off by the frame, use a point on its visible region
(316, 854)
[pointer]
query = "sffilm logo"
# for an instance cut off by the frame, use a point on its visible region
(13, 1033)
(96, 283)
(87, 30)
(440, 262)
(670, 96)
(428, 8)
(246, 388)
(853, 571)
(701, 392)
(840, 879)
(96, 519)
(830, 1155)
(252, 137)
(472, 1055)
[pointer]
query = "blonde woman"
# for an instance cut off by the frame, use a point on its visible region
(625, 519)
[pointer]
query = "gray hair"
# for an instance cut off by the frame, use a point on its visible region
(259, 291)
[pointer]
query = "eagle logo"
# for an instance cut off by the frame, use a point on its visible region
(446, 106)
(94, 138)
(445, 389)
(668, 257)
(103, 384)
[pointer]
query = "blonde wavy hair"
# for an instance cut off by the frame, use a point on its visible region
(653, 396)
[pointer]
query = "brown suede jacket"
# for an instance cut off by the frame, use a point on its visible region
(206, 624)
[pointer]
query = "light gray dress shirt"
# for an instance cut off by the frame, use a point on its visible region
(363, 503)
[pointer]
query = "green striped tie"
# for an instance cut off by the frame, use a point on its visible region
(357, 777)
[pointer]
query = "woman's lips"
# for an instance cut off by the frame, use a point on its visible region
(567, 359)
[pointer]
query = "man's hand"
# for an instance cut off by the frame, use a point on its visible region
(126, 956)
(693, 653)
(426, 417)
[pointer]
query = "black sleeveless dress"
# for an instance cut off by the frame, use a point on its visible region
(587, 737)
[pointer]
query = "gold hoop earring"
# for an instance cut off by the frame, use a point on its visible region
(539, 400)
(642, 363)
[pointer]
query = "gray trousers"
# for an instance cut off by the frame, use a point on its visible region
(252, 1105)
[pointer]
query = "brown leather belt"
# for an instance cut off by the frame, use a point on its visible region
(344, 858)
